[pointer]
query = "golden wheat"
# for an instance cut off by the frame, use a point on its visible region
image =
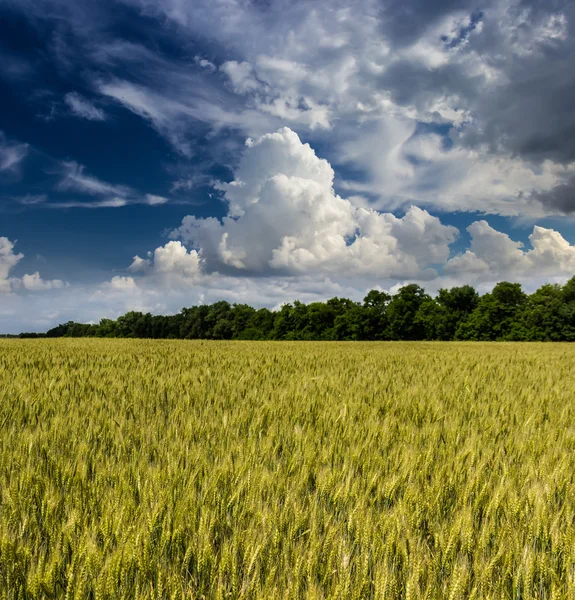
(157, 469)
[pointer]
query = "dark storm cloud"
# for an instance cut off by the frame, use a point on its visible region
(559, 198)
(404, 22)
(532, 114)
(528, 109)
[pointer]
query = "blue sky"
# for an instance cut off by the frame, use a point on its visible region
(266, 151)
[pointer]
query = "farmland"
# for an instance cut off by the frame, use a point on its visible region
(176, 469)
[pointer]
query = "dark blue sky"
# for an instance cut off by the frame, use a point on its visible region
(119, 118)
(122, 149)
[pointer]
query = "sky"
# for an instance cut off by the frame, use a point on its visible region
(156, 154)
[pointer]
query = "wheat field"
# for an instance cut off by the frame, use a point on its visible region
(158, 469)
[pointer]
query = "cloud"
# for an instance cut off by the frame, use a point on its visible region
(149, 105)
(560, 197)
(121, 284)
(178, 106)
(33, 283)
(11, 155)
(205, 63)
(493, 255)
(154, 200)
(285, 220)
(75, 179)
(405, 168)
(170, 261)
(500, 78)
(241, 76)
(526, 109)
(284, 216)
(449, 104)
(14, 67)
(8, 260)
(92, 204)
(191, 180)
(80, 107)
(31, 199)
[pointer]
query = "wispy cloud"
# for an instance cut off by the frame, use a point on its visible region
(11, 154)
(153, 199)
(75, 179)
(175, 105)
(14, 67)
(107, 203)
(31, 199)
(80, 107)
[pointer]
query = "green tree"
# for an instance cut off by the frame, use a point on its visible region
(459, 303)
(375, 322)
(194, 324)
(290, 322)
(541, 318)
(568, 310)
(107, 328)
(60, 330)
(495, 316)
(260, 326)
(134, 325)
(402, 313)
(431, 318)
(219, 320)
(242, 315)
(350, 325)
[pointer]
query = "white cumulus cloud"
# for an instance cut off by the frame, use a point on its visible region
(8, 260)
(32, 283)
(493, 255)
(284, 216)
(171, 260)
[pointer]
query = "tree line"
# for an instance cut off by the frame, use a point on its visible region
(459, 313)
